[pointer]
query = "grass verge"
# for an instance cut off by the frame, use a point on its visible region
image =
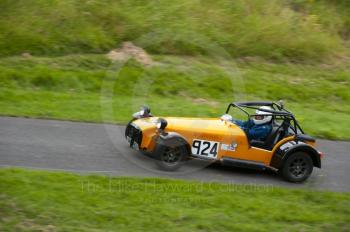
(55, 201)
(91, 88)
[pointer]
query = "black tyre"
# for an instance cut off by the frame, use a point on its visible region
(297, 168)
(170, 158)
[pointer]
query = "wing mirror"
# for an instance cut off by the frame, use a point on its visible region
(281, 103)
(144, 112)
(226, 117)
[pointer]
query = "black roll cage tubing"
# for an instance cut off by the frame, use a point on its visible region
(256, 105)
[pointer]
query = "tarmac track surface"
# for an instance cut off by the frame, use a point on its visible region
(101, 148)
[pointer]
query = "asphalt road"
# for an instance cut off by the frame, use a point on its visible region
(101, 148)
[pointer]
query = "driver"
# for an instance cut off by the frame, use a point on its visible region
(258, 128)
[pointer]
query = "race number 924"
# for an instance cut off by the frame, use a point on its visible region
(205, 148)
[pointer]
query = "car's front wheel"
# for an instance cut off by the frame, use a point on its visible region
(170, 158)
(297, 168)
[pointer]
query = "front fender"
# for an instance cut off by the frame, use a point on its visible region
(172, 139)
(287, 149)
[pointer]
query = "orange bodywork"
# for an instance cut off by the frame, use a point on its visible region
(209, 129)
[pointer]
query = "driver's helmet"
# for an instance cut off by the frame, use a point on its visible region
(262, 117)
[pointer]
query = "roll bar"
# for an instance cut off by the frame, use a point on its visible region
(281, 111)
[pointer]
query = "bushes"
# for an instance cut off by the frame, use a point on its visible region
(274, 29)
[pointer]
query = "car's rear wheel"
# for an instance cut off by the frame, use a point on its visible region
(298, 167)
(170, 158)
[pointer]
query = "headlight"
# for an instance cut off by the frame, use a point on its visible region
(161, 124)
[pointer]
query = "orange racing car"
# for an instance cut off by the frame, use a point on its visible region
(173, 140)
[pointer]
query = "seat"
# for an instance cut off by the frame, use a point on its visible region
(277, 133)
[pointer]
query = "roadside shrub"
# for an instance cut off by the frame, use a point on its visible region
(281, 30)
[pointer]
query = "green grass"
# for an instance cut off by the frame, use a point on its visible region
(299, 30)
(56, 201)
(91, 88)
